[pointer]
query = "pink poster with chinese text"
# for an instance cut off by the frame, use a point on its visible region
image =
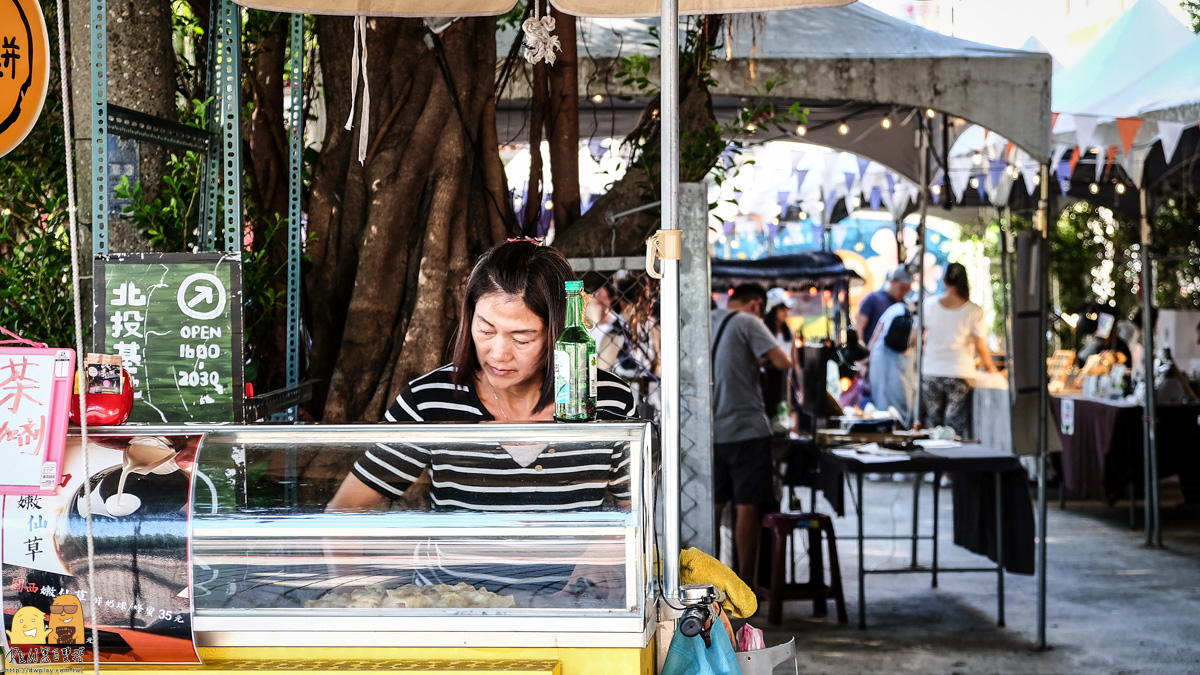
(35, 390)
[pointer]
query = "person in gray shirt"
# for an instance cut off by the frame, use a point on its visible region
(742, 466)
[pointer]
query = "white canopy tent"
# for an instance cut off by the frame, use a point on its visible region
(1143, 38)
(851, 64)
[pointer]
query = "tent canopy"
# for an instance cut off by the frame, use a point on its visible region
(423, 8)
(853, 64)
(1141, 40)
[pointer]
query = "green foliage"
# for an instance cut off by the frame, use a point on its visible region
(35, 255)
(171, 221)
(1176, 247)
(1192, 7)
(701, 153)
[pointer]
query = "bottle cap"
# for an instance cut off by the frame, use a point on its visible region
(574, 286)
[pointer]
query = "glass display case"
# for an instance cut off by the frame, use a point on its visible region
(556, 551)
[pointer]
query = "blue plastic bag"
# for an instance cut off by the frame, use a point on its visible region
(689, 656)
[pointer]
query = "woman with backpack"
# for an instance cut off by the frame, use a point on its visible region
(893, 374)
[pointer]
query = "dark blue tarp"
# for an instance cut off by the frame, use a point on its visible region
(781, 270)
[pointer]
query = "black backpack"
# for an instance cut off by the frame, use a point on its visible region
(897, 337)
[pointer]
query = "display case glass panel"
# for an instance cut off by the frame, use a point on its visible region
(534, 521)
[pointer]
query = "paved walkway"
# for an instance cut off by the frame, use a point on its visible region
(1114, 605)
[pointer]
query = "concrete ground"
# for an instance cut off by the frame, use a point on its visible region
(1114, 606)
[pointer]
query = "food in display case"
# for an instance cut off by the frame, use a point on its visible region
(413, 596)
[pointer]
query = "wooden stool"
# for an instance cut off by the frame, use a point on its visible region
(781, 526)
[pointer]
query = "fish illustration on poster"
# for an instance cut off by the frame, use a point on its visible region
(140, 502)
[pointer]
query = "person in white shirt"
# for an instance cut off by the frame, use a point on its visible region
(954, 334)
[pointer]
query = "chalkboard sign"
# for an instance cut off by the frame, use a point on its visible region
(176, 321)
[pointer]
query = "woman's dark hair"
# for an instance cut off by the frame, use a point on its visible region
(524, 270)
(956, 277)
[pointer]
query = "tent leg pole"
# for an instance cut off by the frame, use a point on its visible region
(1149, 445)
(1043, 399)
(1005, 228)
(669, 298)
(926, 133)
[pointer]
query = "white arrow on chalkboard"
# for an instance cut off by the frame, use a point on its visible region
(203, 294)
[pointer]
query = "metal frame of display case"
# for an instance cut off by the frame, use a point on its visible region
(631, 627)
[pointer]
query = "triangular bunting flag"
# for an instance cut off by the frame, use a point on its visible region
(801, 174)
(782, 198)
(850, 177)
(1075, 156)
(996, 169)
(981, 188)
(1128, 127)
(985, 134)
(1029, 173)
(891, 182)
(863, 163)
(960, 175)
(1064, 184)
(1169, 133)
(1057, 155)
(1101, 161)
(1085, 126)
(829, 177)
(797, 157)
(876, 198)
(1053, 121)
(1135, 164)
(1112, 157)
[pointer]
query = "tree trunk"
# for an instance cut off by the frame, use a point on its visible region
(537, 120)
(141, 76)
(267, 159)
(591, 234)
(562, 123)
(394, 239)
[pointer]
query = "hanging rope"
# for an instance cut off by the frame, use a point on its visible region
(540, 42)
(358, 61)
(68, 136)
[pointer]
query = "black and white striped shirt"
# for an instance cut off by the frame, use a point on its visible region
(564, 476)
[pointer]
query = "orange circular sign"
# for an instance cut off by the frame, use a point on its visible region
(24, 69)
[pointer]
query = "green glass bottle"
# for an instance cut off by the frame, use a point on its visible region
(574, 364)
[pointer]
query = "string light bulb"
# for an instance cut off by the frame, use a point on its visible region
(930, 113)
(843, 128)
(802, 216)
(1094, 188)
(974, 182)
(1120, 188)
(886, 123)
(598, 98)
(750, 128)
(801, 130)
(936, 189)
(1037, 179)
(977, 158)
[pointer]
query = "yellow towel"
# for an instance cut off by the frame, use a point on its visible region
(697, 567)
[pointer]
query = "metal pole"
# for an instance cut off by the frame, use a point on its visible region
(926, 132)
(1043, 270)
(295, 177)
(999, 550)
(1005, 228)
(98, 10)
(1149, 445)
(669, 298)
(862, 563)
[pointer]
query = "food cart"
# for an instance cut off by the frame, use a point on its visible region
(279, 584)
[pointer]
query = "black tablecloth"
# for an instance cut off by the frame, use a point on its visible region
(974, 498)
(1104, 454)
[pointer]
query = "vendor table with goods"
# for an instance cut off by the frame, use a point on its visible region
(993, 514)
(1102, 446)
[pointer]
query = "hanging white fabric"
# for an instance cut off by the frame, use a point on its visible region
(540, 41)
(358, 61)
(73, 235)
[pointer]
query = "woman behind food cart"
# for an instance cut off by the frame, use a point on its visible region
(502, 371)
